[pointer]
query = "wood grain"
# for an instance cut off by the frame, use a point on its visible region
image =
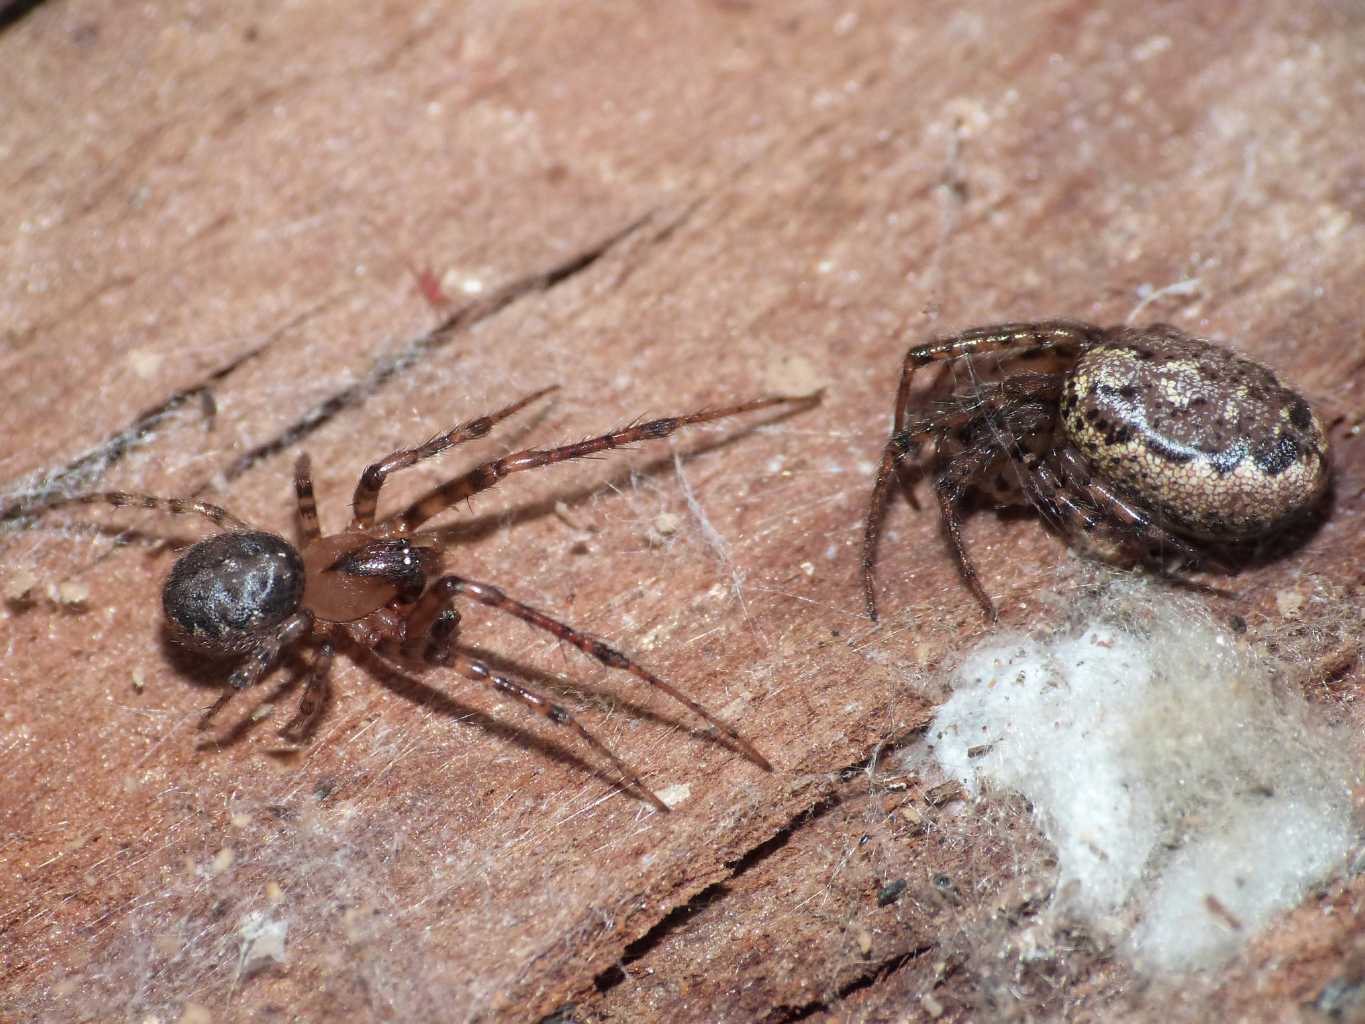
(350, 226)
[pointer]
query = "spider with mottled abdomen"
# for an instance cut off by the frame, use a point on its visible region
(1168, 439)
(249, 594)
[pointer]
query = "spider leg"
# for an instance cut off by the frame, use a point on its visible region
(218, 515)
(433, 620)
(896, 448)
(217, 706)
(494, 598)
(440, 632)
(900, 446)
(485, 476)
(994, 434)
(474, 669)
(441, 636)
(259, 658)
(1125, 512)
(309, 527)
(314, 690)
(372, 480)
(1062, 337)
(1061, 508)
(950, 486)
(907, 474)
(1101, 506)
(1014, 402)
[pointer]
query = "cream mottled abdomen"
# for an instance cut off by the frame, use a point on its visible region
(1211, 443)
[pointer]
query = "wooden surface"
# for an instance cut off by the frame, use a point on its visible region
(222, 226)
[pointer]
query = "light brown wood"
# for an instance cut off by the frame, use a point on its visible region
(354, 225)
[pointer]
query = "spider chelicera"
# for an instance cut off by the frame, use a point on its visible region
(249, 594)
(1170, 440)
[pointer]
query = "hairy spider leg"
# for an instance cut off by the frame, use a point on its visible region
(999, 439)
(1041, 481)
(372, 480)
(485, 476)
(260, 657)
(1066, 511)
(1001, 436)
(1105, 508)
(473, 668)
(897, 447)
(1062, 337)
(310, 528)
(1001, 398)
(491, 596)
(1075, 470)
(1065, 338)
(432, 621)
(219, 516)
(950, 416)
(1044, 482)
(950, 486)
(314, 689)
(441, 634)
(908, 473)
(289, 632)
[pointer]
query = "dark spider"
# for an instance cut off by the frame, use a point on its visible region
(1170, 439)
(250, 594)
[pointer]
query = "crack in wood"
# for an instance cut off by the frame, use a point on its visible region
(82, 473)
(457, 322)
(679, 917)
(16, 11)
(876, 974)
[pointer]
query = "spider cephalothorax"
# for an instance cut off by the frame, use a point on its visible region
(1170, 439)
(247, 594)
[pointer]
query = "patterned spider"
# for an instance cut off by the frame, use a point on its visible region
(248, 594)
(1169, 439)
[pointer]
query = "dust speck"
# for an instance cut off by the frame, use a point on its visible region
(145, 362)
(19, 584)
(222, 860)
(71, 594)
(675, 795)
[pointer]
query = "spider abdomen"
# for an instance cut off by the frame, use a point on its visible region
(225, 592)
(1212, 443)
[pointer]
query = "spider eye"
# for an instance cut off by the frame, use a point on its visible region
(226, 591)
